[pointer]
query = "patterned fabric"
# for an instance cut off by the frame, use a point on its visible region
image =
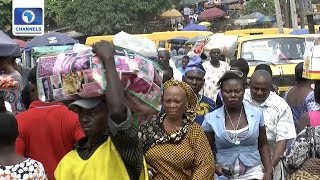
(306, 145)
(191, 158)
(28, 169)
(308, 105)
(14, 96)
(152, 132)
(212, 77)
(192, 99)
(205, 106)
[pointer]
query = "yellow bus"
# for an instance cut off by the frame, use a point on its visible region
(160, 38)
(93, 39)
(261, 31)
(281, 51)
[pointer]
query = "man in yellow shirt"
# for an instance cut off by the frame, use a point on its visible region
(111, 148)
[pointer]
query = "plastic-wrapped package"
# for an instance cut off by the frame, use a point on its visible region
(78, 73)
(226, 43)
(141, 45)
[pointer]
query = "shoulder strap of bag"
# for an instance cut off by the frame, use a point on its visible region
(313, 142)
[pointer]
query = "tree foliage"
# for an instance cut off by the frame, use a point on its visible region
(52, 9)
(265, 7)
(5, 13)
(96, 17)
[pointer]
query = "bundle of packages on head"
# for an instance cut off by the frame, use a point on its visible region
(311, 66)
(226, 43)
(78, 73)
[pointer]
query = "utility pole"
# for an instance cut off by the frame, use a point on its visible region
(285, 12)
(301, 13)
(294, 17)
(279, 16)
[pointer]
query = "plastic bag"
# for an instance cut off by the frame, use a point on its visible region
(141, 45)
(226, 43)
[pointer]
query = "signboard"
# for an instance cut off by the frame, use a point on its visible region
(311, 69)
(27, 17)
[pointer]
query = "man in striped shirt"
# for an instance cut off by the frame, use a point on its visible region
(277, 116)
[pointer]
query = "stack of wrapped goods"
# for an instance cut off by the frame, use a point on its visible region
(78, 73)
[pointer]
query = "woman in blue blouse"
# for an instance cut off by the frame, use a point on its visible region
(238, 132)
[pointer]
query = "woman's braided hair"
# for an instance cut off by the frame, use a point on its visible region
(192, 99)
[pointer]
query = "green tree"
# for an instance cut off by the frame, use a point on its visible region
(97, 17)
(5, 13)
(265, 7)
(52, 8)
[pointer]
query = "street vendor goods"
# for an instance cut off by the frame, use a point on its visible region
(226, 43)
(76, 74)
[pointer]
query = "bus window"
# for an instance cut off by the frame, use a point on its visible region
(162, 44)
(256, 33)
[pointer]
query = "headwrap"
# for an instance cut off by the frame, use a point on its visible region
(195, 64)
(192, 99)
(152, 131)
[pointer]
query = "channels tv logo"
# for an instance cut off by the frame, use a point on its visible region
(28, 21)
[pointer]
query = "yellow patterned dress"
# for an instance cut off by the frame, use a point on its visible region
(189, 158)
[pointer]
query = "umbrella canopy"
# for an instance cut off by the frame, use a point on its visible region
(211, 13)
(300, 32)
(21, 43)
(178, 40)
(50, 39)
(173, 13)
(196, 39)
(266, 19)
(195, 27)
(8, 46)
(245, 21)
(257, 15)
(205, 23)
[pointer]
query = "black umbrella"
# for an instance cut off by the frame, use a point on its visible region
(8, 46)
(178, 40)
(50, 39)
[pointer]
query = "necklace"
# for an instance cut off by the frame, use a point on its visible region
(235, 139)
(199, 98)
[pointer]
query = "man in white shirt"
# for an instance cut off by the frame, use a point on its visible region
(170, 69)
(215, 69)
(277, 116)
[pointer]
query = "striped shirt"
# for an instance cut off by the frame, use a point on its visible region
(277, 116)
(279, 123)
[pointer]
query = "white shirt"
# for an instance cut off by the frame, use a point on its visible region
(277, 116)
(177, 75)
(279, 123)
(213, 75)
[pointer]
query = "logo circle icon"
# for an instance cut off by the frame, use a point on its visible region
(28, 16)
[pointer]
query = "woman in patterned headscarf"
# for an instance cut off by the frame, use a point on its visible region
(175, 147)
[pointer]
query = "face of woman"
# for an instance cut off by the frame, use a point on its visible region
(232, 93)
(174, 101)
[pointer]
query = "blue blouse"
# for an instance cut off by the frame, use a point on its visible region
(228, 152)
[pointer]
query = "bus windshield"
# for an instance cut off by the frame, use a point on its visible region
(273, 50)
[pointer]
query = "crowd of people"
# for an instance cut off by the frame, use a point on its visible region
(214, 123)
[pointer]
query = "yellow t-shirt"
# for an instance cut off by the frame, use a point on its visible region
(105, 163)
